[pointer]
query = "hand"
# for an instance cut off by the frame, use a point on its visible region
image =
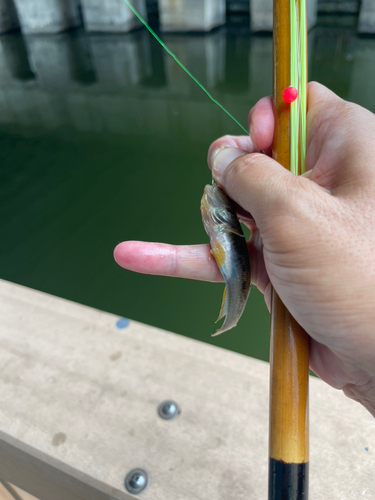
(313, 236)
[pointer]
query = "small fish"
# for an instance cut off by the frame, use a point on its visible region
(228, 246)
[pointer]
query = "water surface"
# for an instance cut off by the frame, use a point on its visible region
(104, 139)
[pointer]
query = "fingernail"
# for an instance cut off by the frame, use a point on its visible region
(221, 158)
(307, 173)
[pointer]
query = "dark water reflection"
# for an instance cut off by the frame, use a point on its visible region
(104, 138)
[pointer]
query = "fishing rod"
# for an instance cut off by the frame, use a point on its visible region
(289, 355)
(289, 351)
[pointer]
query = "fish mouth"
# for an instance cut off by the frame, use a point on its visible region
(206, 210)
(205, 198)
(208, 200)
(213, 197)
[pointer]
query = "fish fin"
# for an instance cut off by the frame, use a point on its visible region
(224, 306)
(219, 253)
(222, 330)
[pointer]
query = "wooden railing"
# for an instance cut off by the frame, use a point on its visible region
(80, 391)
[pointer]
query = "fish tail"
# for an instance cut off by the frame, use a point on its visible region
(224, 306)
(231, 308)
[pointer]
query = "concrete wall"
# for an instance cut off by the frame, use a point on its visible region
(47, 16)
(112, 16)
(261, 14)
(191, 15)
(52, 16)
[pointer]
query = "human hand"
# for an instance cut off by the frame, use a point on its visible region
(313, 237)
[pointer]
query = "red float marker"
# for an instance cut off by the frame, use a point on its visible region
(290, 94)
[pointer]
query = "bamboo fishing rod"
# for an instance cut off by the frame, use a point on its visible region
(289, 355)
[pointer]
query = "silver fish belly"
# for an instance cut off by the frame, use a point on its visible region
(228, 246)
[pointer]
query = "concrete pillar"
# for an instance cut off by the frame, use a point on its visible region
(191, 15)
(8, 16)
(366, 21)
(47, 16)
(112, 16)
(261, 14)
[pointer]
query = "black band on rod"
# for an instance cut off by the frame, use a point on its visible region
(288, 481)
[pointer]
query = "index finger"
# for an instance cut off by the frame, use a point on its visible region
(180, 261)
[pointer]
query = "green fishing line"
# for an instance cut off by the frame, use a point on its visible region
(298, 79)
(294, 82)
(182, 66)
(303, 83)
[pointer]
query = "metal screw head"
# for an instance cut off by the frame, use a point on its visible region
(168, 409)
(136, 481)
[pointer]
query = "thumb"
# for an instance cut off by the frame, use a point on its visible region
(261, 185)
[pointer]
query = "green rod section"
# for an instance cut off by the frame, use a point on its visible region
(303, 82)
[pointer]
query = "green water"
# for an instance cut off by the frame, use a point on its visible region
(104, 139)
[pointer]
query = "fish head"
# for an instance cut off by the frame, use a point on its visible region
(217, 210)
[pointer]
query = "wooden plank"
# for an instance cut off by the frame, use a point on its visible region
(4, 493)
(10, 492)
(46, 477)
(79, 410)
